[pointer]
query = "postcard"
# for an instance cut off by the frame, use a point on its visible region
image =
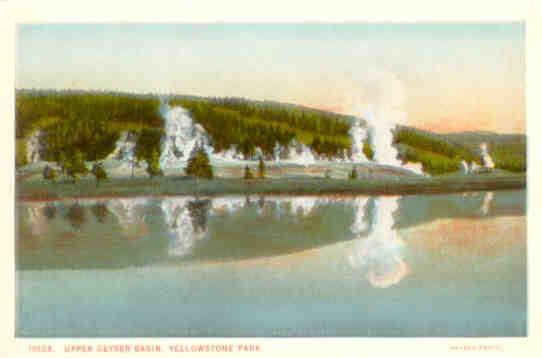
(263, 186)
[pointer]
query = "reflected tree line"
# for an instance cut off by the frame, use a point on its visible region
(77, 214)
(199, 211)
(231, 228)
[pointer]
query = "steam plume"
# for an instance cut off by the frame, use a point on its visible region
(381, 104)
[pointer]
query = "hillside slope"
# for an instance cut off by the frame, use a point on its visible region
(92, 122)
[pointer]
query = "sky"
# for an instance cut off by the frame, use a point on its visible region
(443, 77)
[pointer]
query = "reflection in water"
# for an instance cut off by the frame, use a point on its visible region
(278, 205)
(128, 210)
(76, 215)
(360, 227)
(302, 205)
(187, 223)
(245, 227)
(49, 211)
(484, 205)
(488, 198)
(37, 218)
(130, 215)
(227, 205)
(261, 204)
(198, 210)
(296, 206)
(379, 254)
(100, 211)
(333, 254)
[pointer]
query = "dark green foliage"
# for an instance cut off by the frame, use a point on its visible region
(442, 153)
(353, 174)
(248, 173)
(249, 124)
(510, 157)
(368, 150)
(44, 108)
(432, 163)
(75, 166)
(20, 153)
(329, 147)
(430, 142)
(153, 164)
(148, 149)
(89, 122)
(49, 173)
(99, 173)
(198, 164)
(62, 163)
(261, 168)
(509, 151)
(92, 138)
(147, 143)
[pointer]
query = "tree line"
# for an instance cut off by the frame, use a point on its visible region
(248, 125)
(85, 126)
(440, 155)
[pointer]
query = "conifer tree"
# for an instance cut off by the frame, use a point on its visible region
(153, 164)
(368, 150)
(199, 164)
(248, 173)
(76, 166)
(353, 174)
(261, 168)
(61, 161)
(49, 173)
(99, 173)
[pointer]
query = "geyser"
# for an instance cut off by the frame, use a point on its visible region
(382, 106)
(182, 135)
(358, 135)
(485, 158)
(298, 153)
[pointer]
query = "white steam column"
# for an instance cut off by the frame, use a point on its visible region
(358, 136)
(182, 135)
(485, 158)
(382, 105)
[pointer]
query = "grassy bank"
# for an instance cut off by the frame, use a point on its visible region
(126, 187)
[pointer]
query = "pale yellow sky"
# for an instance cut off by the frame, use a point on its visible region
(444, 77)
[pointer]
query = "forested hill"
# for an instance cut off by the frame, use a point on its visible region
(443, 152)
(91, 123)
(250, 124)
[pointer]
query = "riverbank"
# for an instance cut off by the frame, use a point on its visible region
(164, 186)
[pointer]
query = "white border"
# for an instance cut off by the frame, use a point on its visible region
(23, 11)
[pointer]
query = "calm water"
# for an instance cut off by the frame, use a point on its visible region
(425, 265)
